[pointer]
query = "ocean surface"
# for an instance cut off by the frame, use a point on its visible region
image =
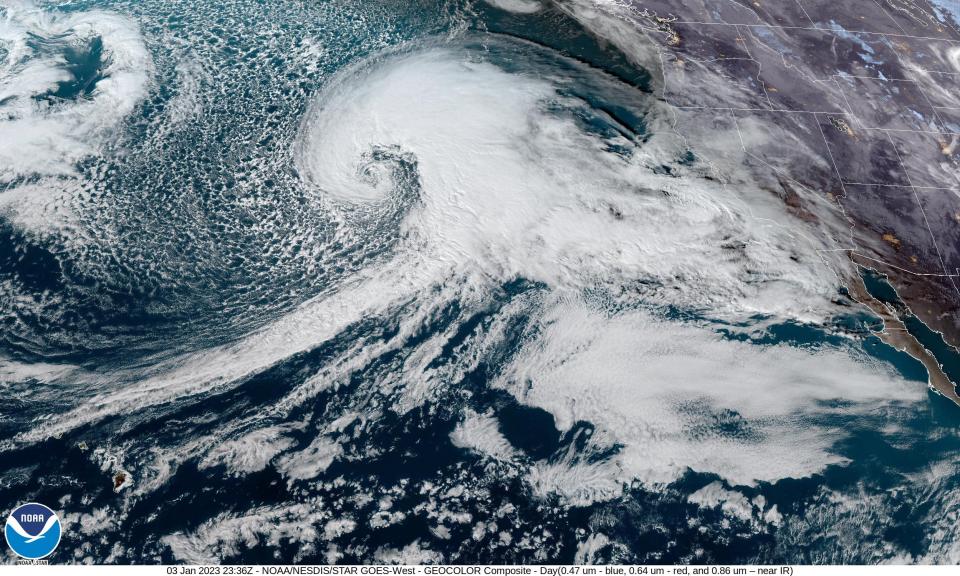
(425, 282)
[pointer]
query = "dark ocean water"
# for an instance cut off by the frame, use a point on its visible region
(192, 229)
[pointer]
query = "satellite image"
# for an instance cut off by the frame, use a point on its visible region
(481, 281)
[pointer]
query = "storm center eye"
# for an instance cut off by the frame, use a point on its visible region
(468, 282)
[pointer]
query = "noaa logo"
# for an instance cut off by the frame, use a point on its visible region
(33, 531)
